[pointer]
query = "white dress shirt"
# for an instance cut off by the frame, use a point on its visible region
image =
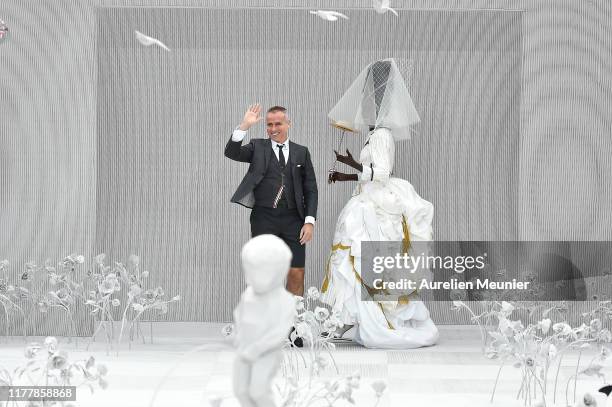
(285, 149)
(238, 135)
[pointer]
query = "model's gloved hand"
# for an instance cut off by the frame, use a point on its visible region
(348, 160)
(340, 176)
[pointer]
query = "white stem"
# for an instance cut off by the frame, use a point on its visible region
(576, 375)
(557, 379)
(496, 380)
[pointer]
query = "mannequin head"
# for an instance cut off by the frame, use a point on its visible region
(265, 262)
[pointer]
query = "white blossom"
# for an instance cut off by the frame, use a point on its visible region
(544, 325)
(313, 293)
(379, 387)
(321, 313)
(507, 308)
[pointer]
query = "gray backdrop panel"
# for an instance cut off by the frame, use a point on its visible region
(163, 120)
(547, 179)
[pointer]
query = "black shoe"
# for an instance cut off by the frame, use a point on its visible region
(295, 340)
(298, 342)
(334, 337)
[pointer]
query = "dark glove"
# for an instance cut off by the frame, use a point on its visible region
(348, 160)
(340, 176)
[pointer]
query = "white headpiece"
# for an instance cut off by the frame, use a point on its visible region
(379, 98)
(265, 262)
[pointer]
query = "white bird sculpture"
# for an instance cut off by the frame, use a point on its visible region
(329, 15)
(382, 6)
(148, 41)
(4, 31)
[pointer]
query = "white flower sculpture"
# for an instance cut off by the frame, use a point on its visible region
(138, 300)
(316, 325)
(42, 288)
(67, 283)
(54, 368)
(535, 349)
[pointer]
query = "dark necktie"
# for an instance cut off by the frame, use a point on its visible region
(281, 156)
(281, 160)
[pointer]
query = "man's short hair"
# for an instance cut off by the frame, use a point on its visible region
(274, 109)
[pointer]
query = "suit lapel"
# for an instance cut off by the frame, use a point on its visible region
(267, 152)
(293, 151)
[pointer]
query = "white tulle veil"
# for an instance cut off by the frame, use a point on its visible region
(378, 98)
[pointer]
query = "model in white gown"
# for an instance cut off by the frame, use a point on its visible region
(382, 208)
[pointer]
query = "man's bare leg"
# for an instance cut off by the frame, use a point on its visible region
(295, 281)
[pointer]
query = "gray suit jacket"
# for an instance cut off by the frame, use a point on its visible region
(258, 153)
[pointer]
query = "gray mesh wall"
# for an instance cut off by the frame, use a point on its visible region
(108, 146)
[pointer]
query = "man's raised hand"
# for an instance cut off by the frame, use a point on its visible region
(251, 117)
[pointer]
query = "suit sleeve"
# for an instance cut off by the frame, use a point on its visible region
(236, 151)
(311, 193)
(382, 148)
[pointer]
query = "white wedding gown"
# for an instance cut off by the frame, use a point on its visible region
(379, 210)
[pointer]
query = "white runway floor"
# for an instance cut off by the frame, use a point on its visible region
(453, 373)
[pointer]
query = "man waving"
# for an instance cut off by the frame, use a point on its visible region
(280, 186)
